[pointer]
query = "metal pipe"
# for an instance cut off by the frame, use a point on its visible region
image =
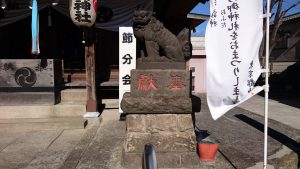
(149, 159)
(267, 86)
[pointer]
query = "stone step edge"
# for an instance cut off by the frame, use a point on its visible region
(27, 112)
(42, 120)
(43, 124)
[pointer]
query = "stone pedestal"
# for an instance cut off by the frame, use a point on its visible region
(171, 134)
(156, 105)
(159, 112)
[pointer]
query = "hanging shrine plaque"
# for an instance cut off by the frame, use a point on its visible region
(83, 12)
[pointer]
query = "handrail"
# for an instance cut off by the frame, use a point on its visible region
(149, 159)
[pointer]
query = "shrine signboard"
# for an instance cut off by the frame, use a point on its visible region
(30, 74)
(127, 59)
(30, 81)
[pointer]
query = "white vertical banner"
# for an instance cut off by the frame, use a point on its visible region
(233, 37)
(127, 60)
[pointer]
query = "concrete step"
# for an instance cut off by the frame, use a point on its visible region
(79, 95)
(43, 123)
(64, 109)
(73, 95)
(29, 98)
(111, 103)
(69, 109)
(12, 112)
(74, 77)
(76, 84)
(114, 75)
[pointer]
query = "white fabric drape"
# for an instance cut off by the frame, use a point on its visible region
(233, 37)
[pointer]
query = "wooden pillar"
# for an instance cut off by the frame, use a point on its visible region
(91, 105)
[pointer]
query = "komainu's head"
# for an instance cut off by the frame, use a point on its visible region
(141, 17)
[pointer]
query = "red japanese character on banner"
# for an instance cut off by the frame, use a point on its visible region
(145, 83)
(176, 83)
(151, 83)
(142, 85)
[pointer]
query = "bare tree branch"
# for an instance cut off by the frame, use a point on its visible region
(291, 7)
(273, 2)
(280, 14)
(278, 11)
(277, 22)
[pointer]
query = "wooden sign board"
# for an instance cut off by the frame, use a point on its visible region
(30, 74)
(127, 59)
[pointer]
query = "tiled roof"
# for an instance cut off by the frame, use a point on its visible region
(198, 16)
(290, 17)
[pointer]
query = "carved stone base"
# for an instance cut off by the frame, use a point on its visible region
(157, 82)
(171, 134)
(159, 112)
(156, 105)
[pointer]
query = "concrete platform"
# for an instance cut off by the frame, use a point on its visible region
(71, 95)
(100, 144)
(43, 123)
(241, 137)
(64, 109)
(279, 110)
(65, 115)
(29, 98)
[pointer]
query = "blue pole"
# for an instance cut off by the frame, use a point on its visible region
(35, 28)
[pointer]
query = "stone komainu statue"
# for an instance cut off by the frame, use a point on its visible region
(159, 43)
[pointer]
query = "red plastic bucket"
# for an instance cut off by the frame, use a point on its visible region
(207, 151)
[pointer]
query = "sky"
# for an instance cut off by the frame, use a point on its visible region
(204, 9)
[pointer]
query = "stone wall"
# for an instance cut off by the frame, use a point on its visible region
(171, 134)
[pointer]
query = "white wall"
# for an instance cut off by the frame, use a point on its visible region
(200, 74)
(198, 61)
(198, 45)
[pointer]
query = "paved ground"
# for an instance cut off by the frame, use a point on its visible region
(285, 110)
(240, 133)
(52, 149)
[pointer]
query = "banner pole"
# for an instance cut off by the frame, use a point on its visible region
(267, 85)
